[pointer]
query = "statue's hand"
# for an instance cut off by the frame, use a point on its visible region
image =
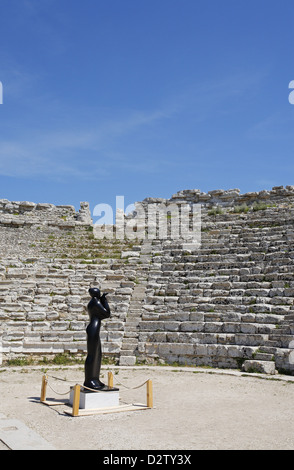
(104, 302)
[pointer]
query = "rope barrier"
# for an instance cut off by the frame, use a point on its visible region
(132, 388)
(87, 388)
(58, 393)
(77, 388)
(59, 378)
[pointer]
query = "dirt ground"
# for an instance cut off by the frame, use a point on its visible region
(197, 409)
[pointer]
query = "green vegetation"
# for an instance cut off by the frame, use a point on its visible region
(61, 359)
(241, 208)
(216, 211)
(20, 361)
(260, 206)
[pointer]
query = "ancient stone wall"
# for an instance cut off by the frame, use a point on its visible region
(27, 213)
(232, 197)
(226, 303)
(48, 260)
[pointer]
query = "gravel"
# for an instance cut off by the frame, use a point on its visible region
(193, 409)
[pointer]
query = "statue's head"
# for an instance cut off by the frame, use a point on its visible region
(94, 292)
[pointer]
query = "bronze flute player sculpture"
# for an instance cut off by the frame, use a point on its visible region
(98, 310)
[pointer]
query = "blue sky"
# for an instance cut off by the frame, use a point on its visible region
(144, 98)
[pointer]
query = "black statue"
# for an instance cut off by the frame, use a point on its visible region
(98, 309)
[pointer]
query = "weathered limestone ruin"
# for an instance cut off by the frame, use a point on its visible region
(227, 303)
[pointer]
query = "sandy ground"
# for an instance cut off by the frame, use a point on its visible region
(193, 409)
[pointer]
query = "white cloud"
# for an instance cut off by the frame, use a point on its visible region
(77, 152)
(66, 144)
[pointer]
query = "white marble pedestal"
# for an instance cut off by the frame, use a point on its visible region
(93, 400)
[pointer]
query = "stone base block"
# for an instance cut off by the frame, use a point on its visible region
(127, 360)
(263, 367)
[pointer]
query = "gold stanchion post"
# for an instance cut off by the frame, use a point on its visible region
(110, 379)
(149, 394)
(43, 388)
(76, 400)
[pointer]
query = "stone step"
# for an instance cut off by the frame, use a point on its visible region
(131, 333)
(202, 350)
(238, 339)
(267, 349)
(128, 350)
(263, 356)
(129, 342)
(280, 341)
(131, 328)
(226, 300)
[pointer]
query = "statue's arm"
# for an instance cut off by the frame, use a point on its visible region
(100, 307)
(104, 302)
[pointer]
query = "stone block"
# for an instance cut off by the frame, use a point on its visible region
(151, 325)
(235, 351)
(231, 327)
(44, 206)
(192, 326)
(222, 351)
(196, 317)
(60, 325)
(40, 348)
(114, 325)
(115, 336)
(13, 336)
(130, 254)
(127, 360)
(14, 316)
(212, 350)
(213, 327)
(263, 367)
(171, 325)
(180, 349)
(41, 326)
(51, 316)
(77, 325)
(221, 285)
(111, 348)
(36, 316)
(200, 349)
(124, 291)
(248, 328)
